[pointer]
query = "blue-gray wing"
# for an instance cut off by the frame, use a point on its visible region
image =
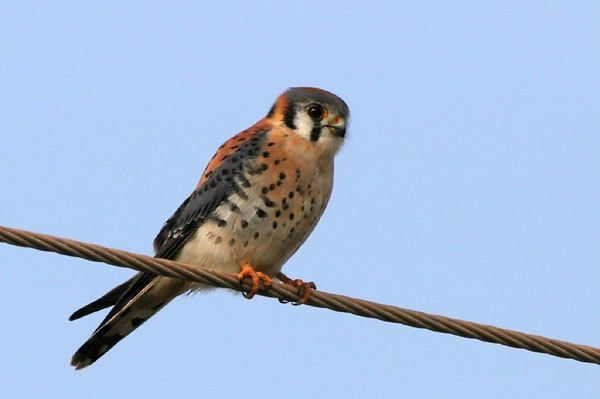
(231, 163)
(224, 175)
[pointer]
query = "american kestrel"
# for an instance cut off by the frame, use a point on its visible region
(257, 201)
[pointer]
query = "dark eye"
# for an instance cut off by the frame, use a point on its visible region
(315, 111)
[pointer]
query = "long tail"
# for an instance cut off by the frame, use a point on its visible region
(140, 298)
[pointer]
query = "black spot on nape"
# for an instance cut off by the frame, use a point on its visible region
(137, 321)
(270, 144)
(256, 234)
(274, 225)
(264, 166)
(282, 176)
(264, 190)
(266, 154)
(315, 133)
(277, 213)
(277, 161)
(291, 195)
(231, 242)
(292, 216)
(244, 224)
(289, 116)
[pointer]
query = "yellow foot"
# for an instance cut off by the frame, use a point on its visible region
(257, 279)
(304, 289)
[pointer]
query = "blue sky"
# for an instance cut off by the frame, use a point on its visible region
(468, 187)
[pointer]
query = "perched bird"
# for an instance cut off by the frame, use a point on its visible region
(259, 198)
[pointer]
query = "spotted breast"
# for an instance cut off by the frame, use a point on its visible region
(279, 190)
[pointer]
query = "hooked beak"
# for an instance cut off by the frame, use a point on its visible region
(338, 131)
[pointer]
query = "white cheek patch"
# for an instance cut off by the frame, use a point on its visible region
(328, 141)
(304, 125)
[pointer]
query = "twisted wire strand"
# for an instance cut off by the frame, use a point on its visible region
(321, 299)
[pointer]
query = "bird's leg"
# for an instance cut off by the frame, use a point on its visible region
(304, 289)
(257, 278)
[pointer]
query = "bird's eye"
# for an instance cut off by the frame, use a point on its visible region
(315, 111)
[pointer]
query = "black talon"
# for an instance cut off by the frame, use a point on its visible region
(244, 293)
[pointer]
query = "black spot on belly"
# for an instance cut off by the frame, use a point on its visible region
(219, 222)
(268, 202)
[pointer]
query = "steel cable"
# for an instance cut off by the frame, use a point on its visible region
(321, 299)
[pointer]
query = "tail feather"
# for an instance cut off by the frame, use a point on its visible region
(109, 299)
(146, 296)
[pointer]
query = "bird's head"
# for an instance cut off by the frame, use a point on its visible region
(315, 115)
